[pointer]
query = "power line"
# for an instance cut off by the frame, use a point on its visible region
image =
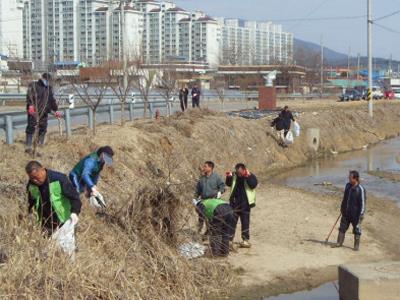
(386, 28)
(388, 15)
(320, 19)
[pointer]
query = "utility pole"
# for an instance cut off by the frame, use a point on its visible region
(358, 66)
(322, 67)
(123, 44)
(370, 104)
(348, 63)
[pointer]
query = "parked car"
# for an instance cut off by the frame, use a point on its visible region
(377, 94)
(389, 95)
(350, 95)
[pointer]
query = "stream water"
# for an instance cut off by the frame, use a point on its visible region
(327, 291)
(334, 171)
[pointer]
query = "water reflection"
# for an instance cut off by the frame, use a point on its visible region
(322, 175)
(327, 291)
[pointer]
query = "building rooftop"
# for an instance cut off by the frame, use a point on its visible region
(206, 19)
(104, 8)
(155, 10)
(185, 20)
(176, 9)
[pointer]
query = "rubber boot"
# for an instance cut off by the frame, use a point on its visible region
(340, 240)
(41, 139)
(357, 242)
(28, 143)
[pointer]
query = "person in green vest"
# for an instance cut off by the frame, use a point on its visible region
(242, 198)
(52, 197)
(220, 219)
(85, 175)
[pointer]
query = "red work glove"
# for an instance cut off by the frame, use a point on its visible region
(58, 114)
(228, 174)
(246, 173)
(31, 110)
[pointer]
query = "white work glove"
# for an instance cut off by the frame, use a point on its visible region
(74, 218)
(94, 190)
(195, 202)
(219, 195)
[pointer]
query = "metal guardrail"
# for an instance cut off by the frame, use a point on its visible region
(17, 120)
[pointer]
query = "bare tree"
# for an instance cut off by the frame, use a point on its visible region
(91, 87)
(169, 82)
(219, 88)
(120, 89)
(144, 82)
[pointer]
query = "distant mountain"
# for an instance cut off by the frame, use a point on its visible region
(308, 54)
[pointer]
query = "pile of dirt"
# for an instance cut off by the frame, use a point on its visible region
(130, 252)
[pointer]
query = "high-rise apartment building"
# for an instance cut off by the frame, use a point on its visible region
(11, 28)
(255, 43)
(89, 31)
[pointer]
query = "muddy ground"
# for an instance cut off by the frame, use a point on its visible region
(288, 225)
(289, 253)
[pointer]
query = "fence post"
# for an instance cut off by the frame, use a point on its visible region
(90, 118)
(9, 130)
(68, 129)
(111, 107)
(151, 110)
(131, 111)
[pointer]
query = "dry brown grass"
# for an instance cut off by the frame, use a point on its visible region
(130, 252)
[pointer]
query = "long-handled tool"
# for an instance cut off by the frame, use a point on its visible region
(330, 233)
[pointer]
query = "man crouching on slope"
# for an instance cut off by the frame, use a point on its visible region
(52, 197)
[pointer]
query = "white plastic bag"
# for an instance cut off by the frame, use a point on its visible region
(192, 250)
(289, 139)
(65, 238)
(296, 129)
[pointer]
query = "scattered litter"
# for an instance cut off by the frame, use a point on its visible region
(65, 238)
(192, 250)
(324, 183)
(253, 114)
(365, 147)
(315, 113)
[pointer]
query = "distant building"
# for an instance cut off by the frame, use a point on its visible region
(72, 32)
(11, 28)
(255, 43)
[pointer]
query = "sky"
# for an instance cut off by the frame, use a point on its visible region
(341, 35)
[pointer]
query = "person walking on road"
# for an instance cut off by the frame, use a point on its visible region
(209, 186)
(352, 209)
(183, 97)
(40, 102)
(242, 199)
(196, 96)
(52, 197)
(220, 219)
(85, 175)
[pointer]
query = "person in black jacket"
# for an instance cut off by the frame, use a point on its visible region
(40, 102)
(52, 197)
(196, 96)
(287, 118)
(183, 97)
(352, 209)
(242, 199)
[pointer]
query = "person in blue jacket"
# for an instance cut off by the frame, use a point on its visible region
(85, 175)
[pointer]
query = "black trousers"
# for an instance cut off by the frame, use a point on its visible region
(221, 227)
(241, 211)
(195, 102)
(345, 224)
(183, 103)
(30, 128)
